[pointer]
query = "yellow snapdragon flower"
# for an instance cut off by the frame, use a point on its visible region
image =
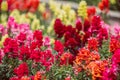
(16, 14)
(42, 7)
(35, 24)
(53, 5)
(4, 6)
(72, 15)
(113, 1)
(3, 19)
(66, 8)
(50, 27)
(82, 9)
(52, 40)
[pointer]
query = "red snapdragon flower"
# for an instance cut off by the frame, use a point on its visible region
(11, 47)
(59, 28)
(71, 43)
(104, 5)
(86, 25)
(0, 2)
(96, 24)
(23, 5)
(78, 25)
(69, 28)
(14, 78)
(34, 45)
(38, 37)
(24, 52)
(102, 35)
(91, 11)
(21, 38)
(35, 55)
(66, 58)
(93, 44)
(22, 70)
(58, 46)
(47, 59)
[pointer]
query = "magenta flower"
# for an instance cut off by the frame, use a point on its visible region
(110, 73)
(2, 30)
(116, 56)
(1, 55)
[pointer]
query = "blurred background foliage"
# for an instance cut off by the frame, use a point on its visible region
(114, 4)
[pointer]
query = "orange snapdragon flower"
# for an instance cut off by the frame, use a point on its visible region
(86, 60)
(38, 76)
(82, 56)
(96, 68)
(25, 78)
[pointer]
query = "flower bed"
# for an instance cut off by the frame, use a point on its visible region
(68, 46)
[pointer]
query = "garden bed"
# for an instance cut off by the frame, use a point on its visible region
(58, 40)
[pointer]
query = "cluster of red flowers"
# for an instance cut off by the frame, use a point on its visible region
(91, 11)
(104, 5)
(28, 46)
(0, 4)
(66, 58)
(77, 37)
(59, 47)
(25, 5)
(11, 47)
(22, 70)
(93, 44)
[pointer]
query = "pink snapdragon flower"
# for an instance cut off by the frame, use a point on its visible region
(1, 55)
(16, 28)
(46, 41)
(110, 73)
(2, 30)
(116, 29)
